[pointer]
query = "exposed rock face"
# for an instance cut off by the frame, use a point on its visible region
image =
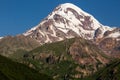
(111, 46)
(109, 42)
(84, 54)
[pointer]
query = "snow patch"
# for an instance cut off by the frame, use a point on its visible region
(80, 11)
(41, 33)
(115, 35)
(48, 39)
(1, 37)
(118, 39)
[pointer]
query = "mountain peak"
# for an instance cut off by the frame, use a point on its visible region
(64, 6)
(69, 11)
(70, 5)
(66, 21)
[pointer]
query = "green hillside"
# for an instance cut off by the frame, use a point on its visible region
(110, 72)
(10, 70)
(69, 59)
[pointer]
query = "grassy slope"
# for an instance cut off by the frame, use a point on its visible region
(66, 66)
(57, 49)
(110, 72)
(10, 70)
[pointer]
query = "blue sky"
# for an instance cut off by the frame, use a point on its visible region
(17, 16)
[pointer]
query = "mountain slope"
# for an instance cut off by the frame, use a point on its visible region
(110, 43)
(68, 59)
(110, 72)
(10, 45)
(10, 70)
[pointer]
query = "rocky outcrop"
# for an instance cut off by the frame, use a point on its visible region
(110, 46)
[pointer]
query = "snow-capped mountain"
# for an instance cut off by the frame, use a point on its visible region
(68, 21)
